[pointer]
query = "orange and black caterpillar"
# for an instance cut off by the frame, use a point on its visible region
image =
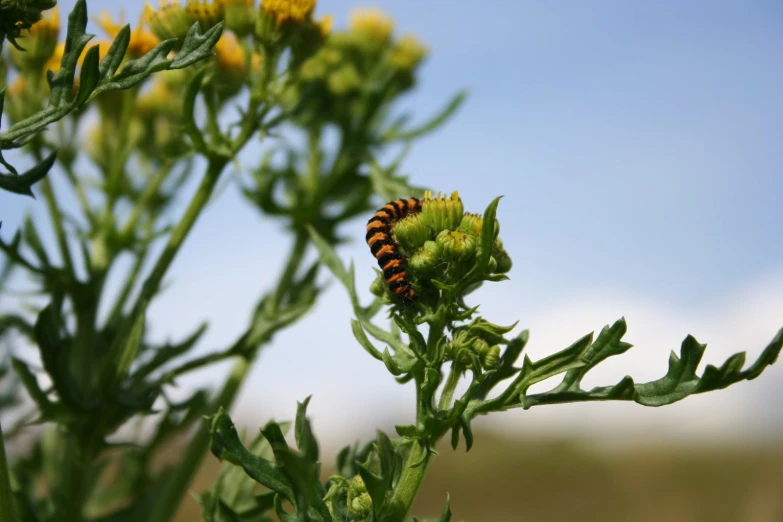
(385, 249)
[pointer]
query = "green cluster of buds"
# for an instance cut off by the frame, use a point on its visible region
(479, 341)
(443, 243)
(332, 84)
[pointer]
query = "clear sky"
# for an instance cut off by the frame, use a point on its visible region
(638, 146)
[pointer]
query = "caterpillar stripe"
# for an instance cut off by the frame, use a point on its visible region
(386, 250)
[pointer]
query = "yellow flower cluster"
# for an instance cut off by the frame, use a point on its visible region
(288, 10)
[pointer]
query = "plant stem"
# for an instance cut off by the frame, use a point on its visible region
(6, 496)
(177, 485)
(408, 486)
(450, 386)
(175, 488)
(197, 204)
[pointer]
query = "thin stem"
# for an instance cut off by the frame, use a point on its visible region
(57, 224)
(450, 386)
(6, 495)
(177, 484)
(150, 191)
(408, 486)
(294, 261)
(180, 232)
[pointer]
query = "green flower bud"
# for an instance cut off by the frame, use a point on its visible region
(343, 80)
(411, 232)
(426, 258)
(407, 53)
(441, 213)
(240, 16)
(169, 21)
(502, 257)
(359, 501)
(472, 224)
(378, 286)
(456, 245)
(313, 69)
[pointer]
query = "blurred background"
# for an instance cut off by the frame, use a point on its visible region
(637, 145)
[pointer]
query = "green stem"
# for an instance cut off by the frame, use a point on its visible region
(408, 486)
(294, 261)
(6, 496)
(180, 232)
(57, 224)
(450, 387)
(177, 484)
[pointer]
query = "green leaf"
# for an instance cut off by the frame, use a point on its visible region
(22, 183)
(431, 125)
(358, 333)
(227, 446)
(89, 76)
(196, 46)
(487, 239)
(679, 382)
(135, 71)
(130, 347)
(378, 485)
(305, 440)
(30, 383)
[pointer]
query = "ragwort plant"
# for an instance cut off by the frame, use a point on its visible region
(436, 339)
(126, 125)
(287, 72)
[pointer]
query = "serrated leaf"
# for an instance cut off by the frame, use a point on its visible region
(227, 446)
(679, 382)
(196, 46)
(379, 485)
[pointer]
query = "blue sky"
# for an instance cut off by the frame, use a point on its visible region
(637, 145)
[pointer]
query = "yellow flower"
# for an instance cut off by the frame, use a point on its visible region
(141, 39)
(324, 25)
(288, 10)
(53, 63)
(230, 55)
(205, 12)
(372, 22)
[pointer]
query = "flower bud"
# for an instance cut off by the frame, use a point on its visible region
(359, 501)
(502, 257)
(472, 224)
(426, 258)
(207, 13)
(378, 286)
(373, 24)
(411, 232)
(170, 20)
(343, 80)
(407, 53)
(240, 16)
(441, 213)
(456, 245)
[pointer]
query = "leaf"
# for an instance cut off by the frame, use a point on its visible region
(487, 239)
(196, 46)
(22, 183)
(679, 382)
(431, 125)
(30, 383)
(89, 76)
(379, 485)
(227, 446)
(130, 347)
(358, 333)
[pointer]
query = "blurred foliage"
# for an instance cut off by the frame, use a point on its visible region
(167, 104)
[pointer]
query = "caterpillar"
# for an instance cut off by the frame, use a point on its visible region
(386, 250)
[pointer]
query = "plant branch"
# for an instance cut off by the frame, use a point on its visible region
(6, 495)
